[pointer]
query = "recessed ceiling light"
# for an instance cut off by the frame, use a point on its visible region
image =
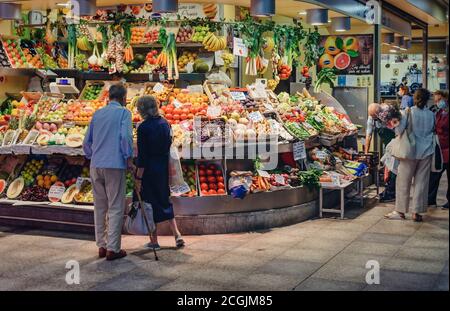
(393, 51)
(302, 13)
(316, 17)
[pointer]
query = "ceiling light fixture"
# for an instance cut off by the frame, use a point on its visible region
(165, 6)
(316, 17)
(302, 13)
(262, 8)
(388, 38)
(10, 11)
(340, 24)
(398, 42)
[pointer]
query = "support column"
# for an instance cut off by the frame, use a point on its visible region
(425, 57)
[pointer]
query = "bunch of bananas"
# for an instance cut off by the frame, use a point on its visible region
(228, 59)
(83, 43)
(273, 83)
(213, 43)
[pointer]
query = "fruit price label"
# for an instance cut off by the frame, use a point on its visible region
(158, 88)
(177, 103)
(321, 155)
(238, 95)
(218, 58)
(80, 181)
(55, 193)
(279, 179)
(299, 150)
(256, 116)
(197, 88)
(180, 189)
(335, 179)
(263, 174)
(214, 111)
(239, 47)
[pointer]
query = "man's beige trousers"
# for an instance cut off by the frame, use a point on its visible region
(109, 206)
(409, 171)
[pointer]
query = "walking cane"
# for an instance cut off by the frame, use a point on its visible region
(141, 206)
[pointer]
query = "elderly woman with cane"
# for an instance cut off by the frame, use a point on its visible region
(154, 138)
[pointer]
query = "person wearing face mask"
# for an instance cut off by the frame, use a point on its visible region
(440, 99)
(407, 99)
(442, 128)
(382, 119)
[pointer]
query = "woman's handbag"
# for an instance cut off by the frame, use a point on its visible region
(437, 163)
(138, 222)
(404, 145)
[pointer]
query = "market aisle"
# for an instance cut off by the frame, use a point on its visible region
(322, 254)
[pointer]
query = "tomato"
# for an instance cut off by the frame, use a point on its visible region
(212, 179)
(221, 191)
(185, 111)
(193, 110)
(201, 172)
(212, 192)
(169, 109)
(177, 111)
(202, 167)
(219, 178)
(205, 192)
(220, 185)
(212, 186)
(169, 116)
(163, 108)
(203, 179)
(190, 116)
(204, 186)
(209, 172)
(218, 173)
(183, 116)
(211, 167)
(176, 117)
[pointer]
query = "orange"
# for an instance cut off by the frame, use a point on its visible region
(54, 178)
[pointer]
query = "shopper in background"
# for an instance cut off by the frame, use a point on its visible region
(154, 138)
(440, 101)
(109, 145)
(442, 128)
(382, 119)
(416, 169)
(407, 99)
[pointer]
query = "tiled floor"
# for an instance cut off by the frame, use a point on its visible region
(320, 254)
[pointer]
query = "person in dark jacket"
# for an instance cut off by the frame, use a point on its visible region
(154, 138)
(442, 128)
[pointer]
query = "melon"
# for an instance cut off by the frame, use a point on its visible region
(43, 139)
(69, 195)
(342, 61)
(74, 140)
(326, 61)
(15, 188)
(2, 185)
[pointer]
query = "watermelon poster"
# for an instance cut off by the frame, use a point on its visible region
(348, 55)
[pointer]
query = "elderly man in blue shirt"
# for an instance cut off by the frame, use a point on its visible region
(109, 146)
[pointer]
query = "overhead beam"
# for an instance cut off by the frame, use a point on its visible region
(432, 8)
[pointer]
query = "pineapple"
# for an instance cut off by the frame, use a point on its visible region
(14, 124)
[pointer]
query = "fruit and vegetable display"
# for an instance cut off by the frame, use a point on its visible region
(211, 179)
(15, 54)
(92, 91)
(189, 175)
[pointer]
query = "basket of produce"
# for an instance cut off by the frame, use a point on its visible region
(92, 90)
(190, 176)
(85, 196)
(211, 177)
(11, 46)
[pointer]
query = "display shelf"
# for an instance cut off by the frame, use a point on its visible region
(157, 45)
(17, 72)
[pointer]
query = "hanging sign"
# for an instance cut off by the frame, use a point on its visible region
(239, 48)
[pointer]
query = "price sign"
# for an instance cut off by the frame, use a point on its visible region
(162, 77)
(299, 150)
(239, 48)
(177, 103)
(279, 179)
(214, 111)
(150, 77)
(218, 58)
(335, 179)
(238, 95)
(256, 116)
(321, 155)
(55, 193)
(158, 88)
(180, 189)
(197, 88)
(263, 173)
(268, 106)
(80, 181)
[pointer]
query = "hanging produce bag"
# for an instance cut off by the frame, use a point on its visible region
(176, 181)
(135, 223)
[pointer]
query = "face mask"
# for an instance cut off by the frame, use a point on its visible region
(442, 104)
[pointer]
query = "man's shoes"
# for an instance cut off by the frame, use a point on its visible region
(445, 206)
(432, 205)
(102, 252)
(110, 255)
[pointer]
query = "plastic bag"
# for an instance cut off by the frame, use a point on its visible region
(176, 181)
(220, 77)
(135, 222)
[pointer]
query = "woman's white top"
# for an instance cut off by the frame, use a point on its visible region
(423, 122)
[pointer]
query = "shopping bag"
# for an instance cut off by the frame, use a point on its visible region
(135, 223)
(404, 146)
(437, 163)
(176, 180)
